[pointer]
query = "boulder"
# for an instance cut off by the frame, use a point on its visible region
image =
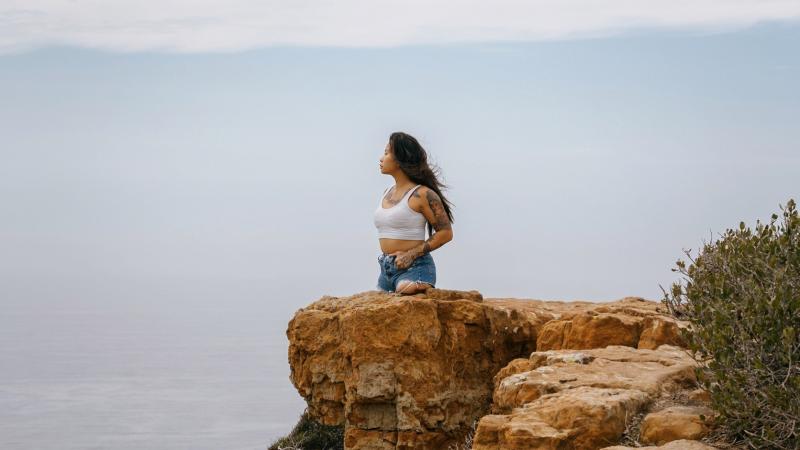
(566, 399)
(676, 422)
(667, 369)
(682, 444)
(579, 418)
(700, 396)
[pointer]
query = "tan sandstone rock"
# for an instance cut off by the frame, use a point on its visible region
(404, 371)
(567, 399)
(580, 418)
(700, 396)
(674, 423)
(414, 372)
(682, 444)
(632, 321)
(668, 368)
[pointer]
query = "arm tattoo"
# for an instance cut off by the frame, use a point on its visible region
(441, 221)
(421, 250)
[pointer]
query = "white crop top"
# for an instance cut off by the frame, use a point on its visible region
(400, 221)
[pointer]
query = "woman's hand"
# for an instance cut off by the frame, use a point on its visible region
(404, 259)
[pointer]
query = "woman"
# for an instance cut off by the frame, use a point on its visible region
(403, 211)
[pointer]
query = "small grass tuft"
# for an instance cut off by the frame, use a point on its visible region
(309, 434)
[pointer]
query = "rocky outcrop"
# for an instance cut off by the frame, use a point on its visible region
(417, 372)
(565, 399)
(405, 371)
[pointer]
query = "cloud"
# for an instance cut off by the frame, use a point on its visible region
(233, 25)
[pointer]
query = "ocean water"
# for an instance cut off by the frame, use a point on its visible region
(160, 376)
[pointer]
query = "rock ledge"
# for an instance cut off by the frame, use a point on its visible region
(417, 372)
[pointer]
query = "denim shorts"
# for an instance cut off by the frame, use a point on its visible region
(421, 269)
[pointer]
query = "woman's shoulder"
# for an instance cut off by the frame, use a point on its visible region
(419, 190)
(418, 196)
(423, 191)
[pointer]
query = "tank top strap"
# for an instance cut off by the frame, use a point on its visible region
(380, 200)
(411, 191)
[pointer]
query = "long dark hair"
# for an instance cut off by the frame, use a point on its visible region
(413, 161)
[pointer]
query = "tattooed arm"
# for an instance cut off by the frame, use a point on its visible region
(433, 210)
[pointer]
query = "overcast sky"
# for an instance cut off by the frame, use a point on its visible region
(179, 152)
(212, 25)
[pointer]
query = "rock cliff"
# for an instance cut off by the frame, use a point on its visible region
(420, 371)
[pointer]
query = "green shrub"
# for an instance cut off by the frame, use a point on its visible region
(742, 299)
(309, 434)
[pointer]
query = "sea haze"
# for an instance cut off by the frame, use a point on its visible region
(184, 375)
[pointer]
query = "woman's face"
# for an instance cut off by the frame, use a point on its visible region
(388, 163)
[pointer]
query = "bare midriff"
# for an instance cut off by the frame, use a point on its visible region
(398, 245)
